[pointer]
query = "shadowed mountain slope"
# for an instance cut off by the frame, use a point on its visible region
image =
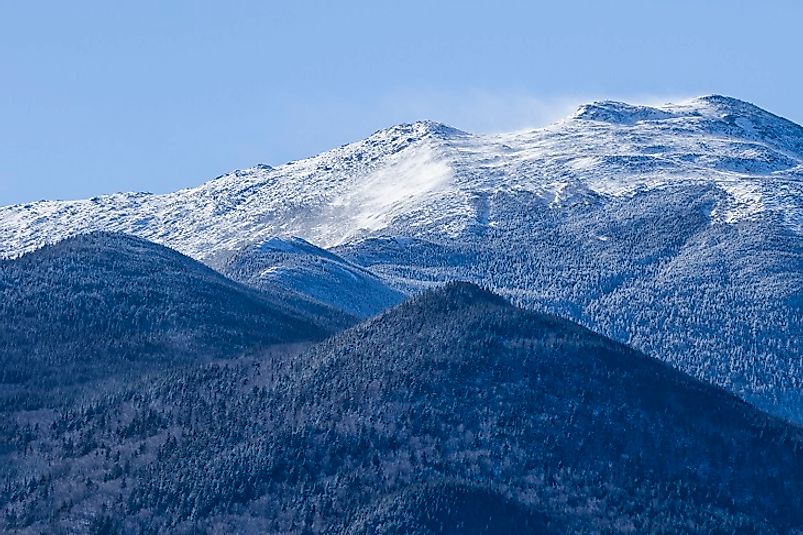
(98, 304)
(507, 409)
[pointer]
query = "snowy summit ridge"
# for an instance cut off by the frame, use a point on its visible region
(429, 176)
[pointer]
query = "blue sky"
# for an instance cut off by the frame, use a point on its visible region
(97, 97)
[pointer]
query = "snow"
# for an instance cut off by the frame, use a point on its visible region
(275, 243)
(746, 201)
(426, 177)
(399, 185)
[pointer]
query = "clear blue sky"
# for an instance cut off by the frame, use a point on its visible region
(97, 97)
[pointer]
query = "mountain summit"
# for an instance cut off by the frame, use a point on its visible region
(433, 177)
(712, 114)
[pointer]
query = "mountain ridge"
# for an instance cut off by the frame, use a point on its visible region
(421, 141)
(595, 220)
(412, 420)
(105, 305)
(318, 274)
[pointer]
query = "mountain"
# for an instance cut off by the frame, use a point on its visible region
(325, 199)
(99, 304)
(452, 408)
(316, 273)
(429, 177)
(675, 229)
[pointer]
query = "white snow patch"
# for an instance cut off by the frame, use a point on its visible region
(270, 271)
(559, 188)
(386, 192)
(612, 188)
(745, 201)
(584, 163)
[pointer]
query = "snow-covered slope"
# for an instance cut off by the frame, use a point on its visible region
(318, 274)
(103, 305)
(677, 229)
(327, 199)
(430, 177)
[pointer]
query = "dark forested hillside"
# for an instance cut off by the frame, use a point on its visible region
(446, 507)
(452, 409)
(102, 303)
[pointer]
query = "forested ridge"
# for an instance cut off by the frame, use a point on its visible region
(98, 305)
(452, 409)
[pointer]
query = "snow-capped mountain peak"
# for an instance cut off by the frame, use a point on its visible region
(713, 115)
(428, 177)
(614, 112)
(417, 131)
